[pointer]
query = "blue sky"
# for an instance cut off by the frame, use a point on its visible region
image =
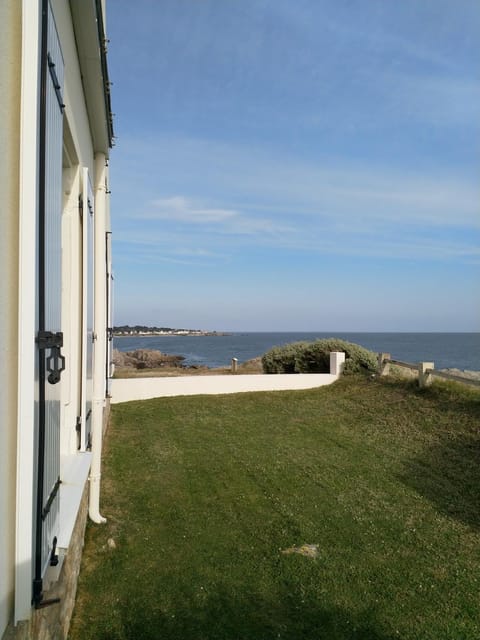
(307, 165)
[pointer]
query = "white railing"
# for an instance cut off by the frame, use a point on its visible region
(425, 370)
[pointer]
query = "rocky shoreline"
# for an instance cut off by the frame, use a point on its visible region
(132, 363)
(151, 359)
(463, 373)
(145, 359)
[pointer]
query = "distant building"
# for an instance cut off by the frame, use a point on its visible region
(55, 139)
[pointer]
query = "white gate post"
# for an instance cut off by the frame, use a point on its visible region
(337, 361)
(424, 375)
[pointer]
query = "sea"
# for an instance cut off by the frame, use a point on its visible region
(445, 350)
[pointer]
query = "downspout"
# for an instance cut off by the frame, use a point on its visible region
(100, 329)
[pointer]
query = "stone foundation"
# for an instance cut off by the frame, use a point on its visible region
(52, 622)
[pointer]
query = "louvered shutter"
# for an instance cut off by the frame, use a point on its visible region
(50, 338)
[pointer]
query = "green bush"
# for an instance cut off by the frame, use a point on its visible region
(282, 359)
(314, 357)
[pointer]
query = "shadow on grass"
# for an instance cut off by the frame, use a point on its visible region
(223, 617)
(448, 475)
(447, 472)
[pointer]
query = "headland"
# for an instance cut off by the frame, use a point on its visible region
(140, 330)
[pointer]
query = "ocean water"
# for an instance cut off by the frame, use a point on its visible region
(446, 350)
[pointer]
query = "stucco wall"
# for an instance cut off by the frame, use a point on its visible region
(78, 154)
(10, 47)
(17, 290)
(124, 390)
(74, 99)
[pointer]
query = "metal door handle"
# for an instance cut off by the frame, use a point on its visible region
(55, 363)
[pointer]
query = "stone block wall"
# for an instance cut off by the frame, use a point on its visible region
(53, 621)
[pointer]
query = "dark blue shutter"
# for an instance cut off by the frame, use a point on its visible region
(49, 338)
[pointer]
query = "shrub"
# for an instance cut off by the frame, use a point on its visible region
(282, 359)
(314, 357)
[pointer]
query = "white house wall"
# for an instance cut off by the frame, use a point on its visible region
(10, 45)
(73, 96)
(80, 151)
(19, 101)
(27, 387)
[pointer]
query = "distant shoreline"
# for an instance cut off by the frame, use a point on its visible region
(445, 350)
(186, 334)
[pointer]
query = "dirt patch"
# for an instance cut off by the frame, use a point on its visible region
(307, 550)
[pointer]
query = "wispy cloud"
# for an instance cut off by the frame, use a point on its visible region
(181, 209)
(242, 175)
(187, 211)
(437, 100)
(360, 34)
(248, 198)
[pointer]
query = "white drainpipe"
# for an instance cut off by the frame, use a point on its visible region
(100, 326)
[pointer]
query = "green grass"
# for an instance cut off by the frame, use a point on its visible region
(203, 493)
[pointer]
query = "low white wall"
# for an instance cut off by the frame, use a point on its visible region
(126, 389)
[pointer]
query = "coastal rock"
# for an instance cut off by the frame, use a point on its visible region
(253, 363)
(145, 359)
(471, 375)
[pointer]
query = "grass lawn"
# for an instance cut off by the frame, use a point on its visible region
(202, 495)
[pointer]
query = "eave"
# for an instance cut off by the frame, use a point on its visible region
(87, 17)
